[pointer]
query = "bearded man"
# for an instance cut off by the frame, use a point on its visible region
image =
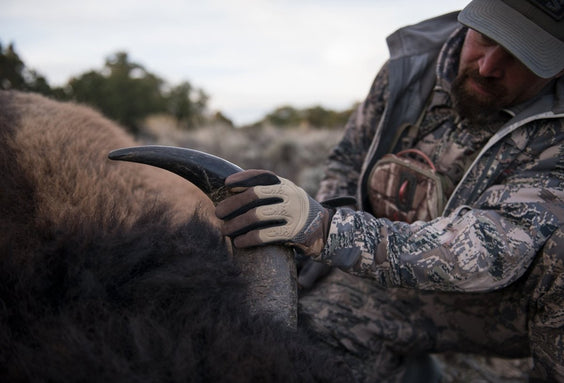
(456, 160)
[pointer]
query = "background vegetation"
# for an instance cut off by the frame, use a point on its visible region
(123, 90)
(292, 142)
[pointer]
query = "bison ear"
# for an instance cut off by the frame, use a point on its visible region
(204, 170)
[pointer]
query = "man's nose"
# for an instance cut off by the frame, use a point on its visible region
(494, 62)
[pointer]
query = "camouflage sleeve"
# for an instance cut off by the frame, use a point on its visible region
(473, 249)
(344, 164)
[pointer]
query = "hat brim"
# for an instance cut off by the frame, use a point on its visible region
(537, 49)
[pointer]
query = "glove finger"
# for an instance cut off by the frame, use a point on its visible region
(248, 222)
(259, 237)
(262, 225)
(250, 239)
(240, 203)
(253, 177)
(235, 204)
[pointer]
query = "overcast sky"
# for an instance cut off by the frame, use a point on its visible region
(250, 56)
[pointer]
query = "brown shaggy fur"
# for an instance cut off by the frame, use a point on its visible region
(112, 271)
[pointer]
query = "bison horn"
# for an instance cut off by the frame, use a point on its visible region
(269, 270)
(204, 170)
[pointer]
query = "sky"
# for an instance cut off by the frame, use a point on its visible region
(249, 56)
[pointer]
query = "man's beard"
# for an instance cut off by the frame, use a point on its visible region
(477, 108)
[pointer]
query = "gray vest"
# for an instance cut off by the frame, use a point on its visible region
(413, 56)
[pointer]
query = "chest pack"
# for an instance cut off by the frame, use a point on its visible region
(406, 187)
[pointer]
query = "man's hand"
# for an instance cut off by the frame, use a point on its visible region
(265, 208)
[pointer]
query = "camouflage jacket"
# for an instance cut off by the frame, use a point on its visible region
(506, 204)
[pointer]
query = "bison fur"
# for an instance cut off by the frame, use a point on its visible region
(117, 272)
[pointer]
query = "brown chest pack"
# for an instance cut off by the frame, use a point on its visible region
(406, 187)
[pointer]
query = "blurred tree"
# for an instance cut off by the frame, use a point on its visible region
(15, 75)
(319, 117)
(187, 104)
(223, 119)
(313, 117)
(11, 68)
(123, 91)
(179, 103)
(284, 116)
(201, 104)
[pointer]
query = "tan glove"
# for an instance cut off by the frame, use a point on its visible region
(265, 208)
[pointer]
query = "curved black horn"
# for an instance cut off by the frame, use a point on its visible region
(204, 170)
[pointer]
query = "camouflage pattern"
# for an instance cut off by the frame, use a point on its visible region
(376, 330)
(486, 276)
(406, 189)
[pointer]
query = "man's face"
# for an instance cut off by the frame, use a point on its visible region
(490, 78)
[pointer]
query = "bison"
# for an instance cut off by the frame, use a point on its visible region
(114, 271)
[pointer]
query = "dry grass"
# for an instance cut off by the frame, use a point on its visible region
(298, 154)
